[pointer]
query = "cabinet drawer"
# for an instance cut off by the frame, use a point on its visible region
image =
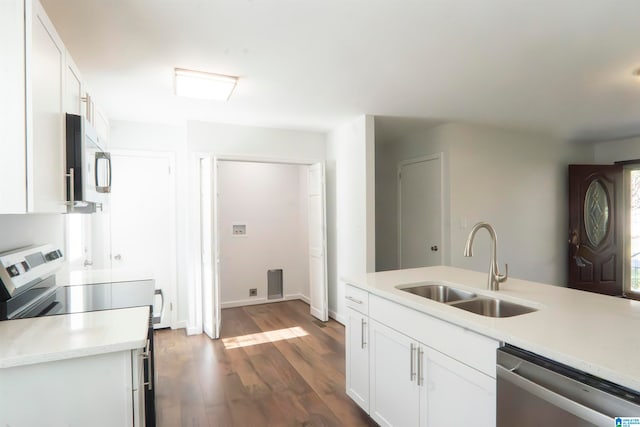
(461, 344)
(357, 299)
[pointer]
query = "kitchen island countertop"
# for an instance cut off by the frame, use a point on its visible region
(594, 333)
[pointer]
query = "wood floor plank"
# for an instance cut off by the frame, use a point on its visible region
(254, 376)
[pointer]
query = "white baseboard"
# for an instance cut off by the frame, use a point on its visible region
(257, 301)
(338, 318)
(193, 330)
(182, 324)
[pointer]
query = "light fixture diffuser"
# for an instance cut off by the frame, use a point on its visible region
(201, 85)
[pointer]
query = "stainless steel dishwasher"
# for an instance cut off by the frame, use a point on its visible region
(535, 391)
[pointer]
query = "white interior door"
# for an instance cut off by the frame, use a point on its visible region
(143, 227)
(317, 243)
(420, 212)
(211, 306)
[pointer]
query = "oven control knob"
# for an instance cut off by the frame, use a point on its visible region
(53, 255)
(13, 271)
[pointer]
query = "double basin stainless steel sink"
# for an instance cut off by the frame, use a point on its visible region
(465, 300)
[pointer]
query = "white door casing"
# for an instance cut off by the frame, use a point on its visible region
(143, 226)
(420, 212)
(211, 306)
(317, 243)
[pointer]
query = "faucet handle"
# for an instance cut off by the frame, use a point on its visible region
(503, 277)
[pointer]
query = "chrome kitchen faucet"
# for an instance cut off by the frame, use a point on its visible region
(495, 278)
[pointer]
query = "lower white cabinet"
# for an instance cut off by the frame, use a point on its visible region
(395, 393)
(422, 371)
(103, 390)
(456, 395)
(357, 349)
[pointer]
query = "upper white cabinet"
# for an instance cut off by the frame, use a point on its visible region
(74, 88)
(13, 160)
(39, 82)
(46, 72)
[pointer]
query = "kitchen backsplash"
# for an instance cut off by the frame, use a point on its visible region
(23, 230)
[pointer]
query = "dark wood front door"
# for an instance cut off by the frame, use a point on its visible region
(595, 238)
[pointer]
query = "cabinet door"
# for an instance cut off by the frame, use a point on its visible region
(13, 184)
(357, 369)
(45, 139)
(455, 394)
(73, 87)
(137, 375)
(394, 391)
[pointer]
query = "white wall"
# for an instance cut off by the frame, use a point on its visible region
(33, 229)
(613, 151)
(164, 138)
(270, 199)
(351, 226)
(512, 179)
(517, 182)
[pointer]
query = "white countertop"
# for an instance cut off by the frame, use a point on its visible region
(594, 333)
(46, 339)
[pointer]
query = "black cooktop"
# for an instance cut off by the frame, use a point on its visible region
(46, 299)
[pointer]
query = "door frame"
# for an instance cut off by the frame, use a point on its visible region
(402, 163)
(196, 307)
(171, 158)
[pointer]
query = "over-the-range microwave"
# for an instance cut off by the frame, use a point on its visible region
(88, 166)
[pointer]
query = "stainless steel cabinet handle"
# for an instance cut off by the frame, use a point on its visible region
(420, 368)
(147, 355)
(412, 369)
(575, 408)
(71, 195)
(350, 298)
(363, 342)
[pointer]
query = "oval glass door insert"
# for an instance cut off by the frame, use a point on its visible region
(596, 212)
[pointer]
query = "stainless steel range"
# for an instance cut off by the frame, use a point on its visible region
(28, 289)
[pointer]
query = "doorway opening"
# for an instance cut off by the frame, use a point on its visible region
(262, 236)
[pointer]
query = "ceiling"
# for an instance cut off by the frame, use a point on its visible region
(563, 67)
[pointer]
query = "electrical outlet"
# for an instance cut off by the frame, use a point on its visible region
(253, 292)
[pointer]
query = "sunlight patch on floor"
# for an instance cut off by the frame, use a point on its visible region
(263, 337)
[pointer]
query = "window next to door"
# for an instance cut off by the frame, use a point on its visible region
(632, 236)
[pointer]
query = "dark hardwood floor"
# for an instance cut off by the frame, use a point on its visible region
(275, 365)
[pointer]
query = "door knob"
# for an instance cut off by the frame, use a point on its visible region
(434, 248)
(117, 257)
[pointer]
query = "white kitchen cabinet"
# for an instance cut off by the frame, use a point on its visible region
(13, 161)
(475, 393)
(357, 356)
(422, 371)
(395, 393)
(39, 82)
(357, 346)
(138, 359)
(94, 391)
(74, 88)
(45, 59)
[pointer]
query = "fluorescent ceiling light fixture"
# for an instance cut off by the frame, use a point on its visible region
(198, 84)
